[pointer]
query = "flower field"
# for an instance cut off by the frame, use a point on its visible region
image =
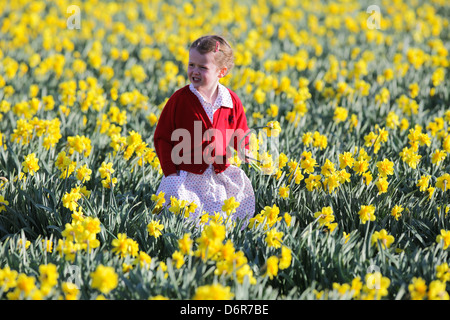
(354, 203)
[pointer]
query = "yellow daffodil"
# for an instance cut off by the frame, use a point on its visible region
(154, 229)
(104, 279)
(272, 129)
(3, 202)
(443, 182)
(230, 205)
(272, 267)
(385, 239)
(417, 288)
(30, 164)
(367, 213)
(213, 292)
(444, 237)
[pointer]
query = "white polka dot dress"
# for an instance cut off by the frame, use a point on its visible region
(209, 190)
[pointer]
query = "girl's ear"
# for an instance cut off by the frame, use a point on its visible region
(222, 72)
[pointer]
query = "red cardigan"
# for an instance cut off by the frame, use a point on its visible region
(206, 143)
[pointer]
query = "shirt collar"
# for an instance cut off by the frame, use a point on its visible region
(223, 97)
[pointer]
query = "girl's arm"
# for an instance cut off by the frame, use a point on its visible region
(162, 138)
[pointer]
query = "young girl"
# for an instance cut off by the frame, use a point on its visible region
(195, 130)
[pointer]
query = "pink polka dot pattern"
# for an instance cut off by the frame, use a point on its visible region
(209, 190)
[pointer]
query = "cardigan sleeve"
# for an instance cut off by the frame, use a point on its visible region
(162, 137)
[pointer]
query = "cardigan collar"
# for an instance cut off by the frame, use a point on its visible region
(223, 97)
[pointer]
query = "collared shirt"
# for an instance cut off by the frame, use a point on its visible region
(223, 100)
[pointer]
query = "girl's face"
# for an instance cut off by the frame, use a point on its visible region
(202, 71)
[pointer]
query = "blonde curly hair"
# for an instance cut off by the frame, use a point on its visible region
(223, 53)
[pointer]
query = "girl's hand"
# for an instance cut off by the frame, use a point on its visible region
(172, 175)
